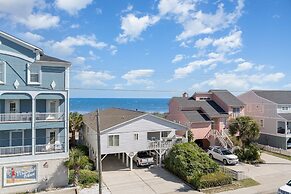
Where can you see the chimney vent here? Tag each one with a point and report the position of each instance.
(185, 95)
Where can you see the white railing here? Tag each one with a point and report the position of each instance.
(235, 115)
(59, 116)
(11, 117)
(49, 148)
(160, 144)
(15, 150)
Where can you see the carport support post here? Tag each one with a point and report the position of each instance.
(157, 158)
(131, 163)
(122, 157)
(126, 160)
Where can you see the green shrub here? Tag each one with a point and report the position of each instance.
(83, 148)
(71, 176)
(214, 180)
(88, 178)
(189, 162)
(250, 153)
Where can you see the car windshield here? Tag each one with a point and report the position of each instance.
(143, 155)
(289, 183)
(226, 152)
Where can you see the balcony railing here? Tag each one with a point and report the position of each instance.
(234, 115)
(165, 144)
(15, 117)
(59, 116)
(15, 150)
(49, 148)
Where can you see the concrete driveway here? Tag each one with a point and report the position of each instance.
(275, 173)
(120, 180)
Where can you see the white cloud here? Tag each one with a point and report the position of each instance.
(202, 43)
(72, 7)
(195, 23)
(239, 60)
(139, 76)
(229, 43)
(113, 49)
(79, 60)
(244, 66)
(32, 37)
(67, 46)
(239, 82)
(28, 13)
(190, 67)
(40, 21)
(133, 26)
(93, 78)
(259, 67)
(178, 58)
(75, 26)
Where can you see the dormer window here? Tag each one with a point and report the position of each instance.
(2, 72)
(33, 74)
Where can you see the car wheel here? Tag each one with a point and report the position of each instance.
(211, 156)
(224, 161)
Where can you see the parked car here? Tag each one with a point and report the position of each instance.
(143, 159)
(222, 154)
(285, 189)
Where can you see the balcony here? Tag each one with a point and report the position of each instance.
(15, 117)
(15, 151)
(165, 143)
(58, 116)
(50, 148)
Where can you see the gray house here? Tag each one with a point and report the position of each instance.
(33, 117)
(272, 110)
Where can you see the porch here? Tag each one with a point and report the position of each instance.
(20, 142)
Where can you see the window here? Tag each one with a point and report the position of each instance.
(281, 127)
(113, 140)
(165, 133)
(12, 107)
(2, 72)
(236, 110)
(33, 74)
(262, 123)
(136, 136)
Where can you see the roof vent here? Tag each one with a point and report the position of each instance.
(185, 95)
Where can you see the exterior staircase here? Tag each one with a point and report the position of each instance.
(222, 138)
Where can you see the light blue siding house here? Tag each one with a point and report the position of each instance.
(33, 117)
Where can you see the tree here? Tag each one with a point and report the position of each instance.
(245, 129)
(78, 161)
(190, 136)
(75, 124)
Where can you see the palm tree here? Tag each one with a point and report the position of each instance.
(76, 162)
(245, 129)
(76, 123)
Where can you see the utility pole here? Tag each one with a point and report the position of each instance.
(99, 152)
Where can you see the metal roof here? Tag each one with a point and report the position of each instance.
(47, 58)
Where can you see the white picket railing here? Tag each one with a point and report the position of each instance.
(165, 144)
(49, 116)
(15, 150)
(49, 148)
(12, 117)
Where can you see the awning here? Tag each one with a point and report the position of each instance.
(50, 96)
(15, 96)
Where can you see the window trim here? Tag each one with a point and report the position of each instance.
(28, 75)
(4, 73)
(113, 142)
(135, 137)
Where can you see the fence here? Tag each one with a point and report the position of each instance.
(275, 150)
(237, 175)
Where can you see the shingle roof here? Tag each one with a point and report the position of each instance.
(277, 96)
(227, 97)
(286, 116)
(210, 108)
(195, 116)
(44, 57)
(110, 117)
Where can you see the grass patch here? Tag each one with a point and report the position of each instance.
(277, 155)
(235, 185)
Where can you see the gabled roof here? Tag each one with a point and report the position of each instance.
(195, 116)
(277, 96)
(228, 98)
(19, 41)
(110, 117)
(46, 58)
(286, 116)
(209, 107)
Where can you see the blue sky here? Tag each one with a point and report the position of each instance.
(165, 46)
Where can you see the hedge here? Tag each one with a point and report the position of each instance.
(214, 180)
(86, 178)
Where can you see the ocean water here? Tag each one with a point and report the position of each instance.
(84, 105)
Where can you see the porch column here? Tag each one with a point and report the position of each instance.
(33, 132)
(118, 155)
(67, 118)
(157, 158)
(126, 160)
(122, 157)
